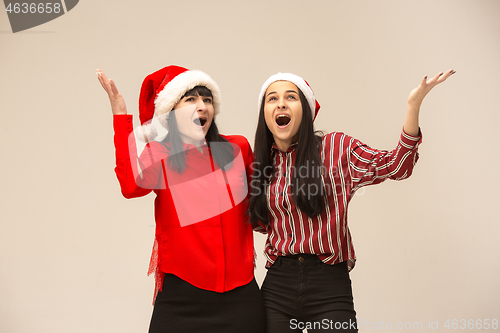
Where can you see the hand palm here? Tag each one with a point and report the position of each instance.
(418, 94)
(115, 98)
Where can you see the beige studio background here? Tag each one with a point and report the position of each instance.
(74, 253)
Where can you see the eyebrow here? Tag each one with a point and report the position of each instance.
(197, 95)
(288, 91)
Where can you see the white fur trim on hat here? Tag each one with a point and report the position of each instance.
(179, 85)
(154, 129)
(295, 79)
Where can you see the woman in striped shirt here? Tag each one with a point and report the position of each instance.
(302, 185)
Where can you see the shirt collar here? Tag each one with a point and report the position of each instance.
(291, 148)
(187, 147)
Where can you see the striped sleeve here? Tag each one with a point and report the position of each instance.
(369, 166)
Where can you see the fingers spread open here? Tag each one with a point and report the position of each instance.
(105, 83)
(99, 76)
(436, 78)
(446, 75)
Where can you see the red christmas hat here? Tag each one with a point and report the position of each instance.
(300, 83)
(162, 89)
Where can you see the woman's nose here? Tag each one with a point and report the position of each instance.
(281, 103)
(200, 105)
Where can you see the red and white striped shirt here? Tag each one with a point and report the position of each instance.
(348, 165)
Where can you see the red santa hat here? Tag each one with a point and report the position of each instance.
(164, 88)
(300, 83)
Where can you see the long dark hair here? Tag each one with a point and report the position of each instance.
(308, 156)
(222, 154)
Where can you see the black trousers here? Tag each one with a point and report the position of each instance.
(301, 291)
(183, 308)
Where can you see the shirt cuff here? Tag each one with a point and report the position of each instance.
(122, 121)
(123, 126)
(410, 141)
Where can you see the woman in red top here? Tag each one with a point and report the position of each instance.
(203, 256)
(301, 187)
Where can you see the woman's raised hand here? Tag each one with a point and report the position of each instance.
(418, 94)
(415, 99)
(115, 98)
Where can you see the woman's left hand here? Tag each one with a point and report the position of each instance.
(418, 94)
(415, 99)
(115, 98)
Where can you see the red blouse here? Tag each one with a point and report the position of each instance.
(202, 233)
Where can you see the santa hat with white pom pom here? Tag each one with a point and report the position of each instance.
(164, 88)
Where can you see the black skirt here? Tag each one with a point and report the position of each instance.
(181, 307)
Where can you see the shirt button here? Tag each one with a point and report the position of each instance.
(301, 259)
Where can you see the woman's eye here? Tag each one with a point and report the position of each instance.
(292, 97)
(208, 100)
(189, 99)
(272, 98)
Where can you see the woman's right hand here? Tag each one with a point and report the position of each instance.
(115, 98)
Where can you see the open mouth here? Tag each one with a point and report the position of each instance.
(200, 121)
(282, 120)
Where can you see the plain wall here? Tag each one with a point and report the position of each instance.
(74, 253)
